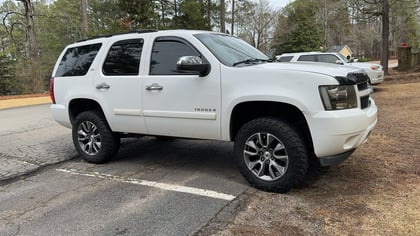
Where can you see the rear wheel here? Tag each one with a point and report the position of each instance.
(93, 138)
(271, 154)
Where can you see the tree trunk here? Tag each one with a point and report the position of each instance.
(35, 84)
(175, 8)
(222, 16)
(85, 26)
(209, 7)
(162, 4)
(233, 17)
(385, 36)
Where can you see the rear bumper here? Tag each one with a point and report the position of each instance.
(60, 115)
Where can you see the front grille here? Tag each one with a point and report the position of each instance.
(363, 86)
(364, 89)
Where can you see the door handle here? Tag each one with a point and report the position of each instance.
(154, 87)
(103, 86)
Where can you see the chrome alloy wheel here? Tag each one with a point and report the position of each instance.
(89, 138)
(266, 156)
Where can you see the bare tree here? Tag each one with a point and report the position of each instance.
(85, 26)
(232, 27)
(222, 16)
(35, 81)
(385, 35)
(30, 26)
(209, 7)
(380, 8)
(256, 25)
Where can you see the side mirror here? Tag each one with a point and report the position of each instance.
(193, 64)
(339, 62)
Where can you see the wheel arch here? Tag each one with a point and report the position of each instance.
(250, 110)
(79, 105)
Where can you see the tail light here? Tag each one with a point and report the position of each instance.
(52, 90)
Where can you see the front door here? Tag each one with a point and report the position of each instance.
(177, 103)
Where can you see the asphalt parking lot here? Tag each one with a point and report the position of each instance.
(153, 186)
(185, 187)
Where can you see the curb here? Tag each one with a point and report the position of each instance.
(19, 102)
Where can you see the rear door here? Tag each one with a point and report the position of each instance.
(118, 85)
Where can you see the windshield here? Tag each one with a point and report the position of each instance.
(343, 58)
(231, 50)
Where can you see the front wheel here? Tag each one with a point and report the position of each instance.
(93, 138)
(271, 154)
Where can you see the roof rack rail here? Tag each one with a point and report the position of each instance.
(137, 31)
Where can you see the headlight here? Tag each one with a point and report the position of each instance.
(338, 97)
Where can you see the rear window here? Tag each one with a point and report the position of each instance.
(285, 59)
(327, 58)
(307, 58)
(76, 61)
(123, 58)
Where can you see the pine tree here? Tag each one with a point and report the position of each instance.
(7, 85)
(298, 29)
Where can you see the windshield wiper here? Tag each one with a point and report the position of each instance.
(250, 60)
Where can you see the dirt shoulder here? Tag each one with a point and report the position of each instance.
(375, 192)
(23, 100)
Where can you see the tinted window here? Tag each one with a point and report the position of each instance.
(327, 58)
(76, 61)
(166, 53)
(285, 59)
(307, 58)
(123, 58)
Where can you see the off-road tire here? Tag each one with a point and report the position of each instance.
(109, 142)
(291, 141)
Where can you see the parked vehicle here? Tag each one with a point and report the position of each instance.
(207, 85)
(374, 71)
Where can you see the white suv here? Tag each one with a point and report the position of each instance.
(207, 85)
(374, 71)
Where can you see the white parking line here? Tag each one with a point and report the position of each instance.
(169, 187)
(26, 163)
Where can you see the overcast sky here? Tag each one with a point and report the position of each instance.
(279, 3)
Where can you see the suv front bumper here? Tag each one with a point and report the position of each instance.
(336, 134)
(376, 77)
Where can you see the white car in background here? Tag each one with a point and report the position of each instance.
(374, 71)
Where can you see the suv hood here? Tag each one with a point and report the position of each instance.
(364, 65)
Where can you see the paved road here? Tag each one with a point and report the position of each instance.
(152, 187)
(29, 139)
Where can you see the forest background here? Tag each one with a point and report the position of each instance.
(34, 32)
